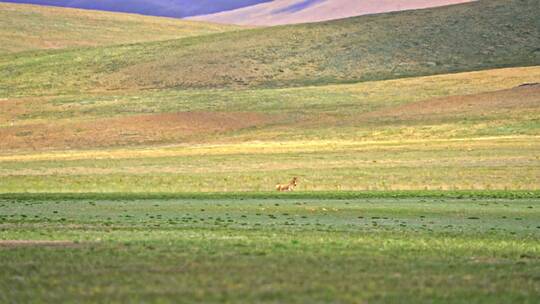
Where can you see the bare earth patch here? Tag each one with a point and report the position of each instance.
(128, 130)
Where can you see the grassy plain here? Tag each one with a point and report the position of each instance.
(26, 28)
(222, 248)
(500, 163)
(475, 130)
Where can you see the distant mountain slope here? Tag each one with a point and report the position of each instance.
(475, 36)
(164, 8)
(31, 27)
(301, 11)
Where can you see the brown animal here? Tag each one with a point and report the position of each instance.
(288, 187)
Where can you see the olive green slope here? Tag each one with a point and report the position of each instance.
(479, 35)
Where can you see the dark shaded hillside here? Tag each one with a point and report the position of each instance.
(480, 35)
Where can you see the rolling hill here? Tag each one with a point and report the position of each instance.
(32, 27)
(463, 105)
(475, 36)
(301, 11)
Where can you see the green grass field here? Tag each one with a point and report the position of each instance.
(414, 248)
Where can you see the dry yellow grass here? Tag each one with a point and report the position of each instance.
(464, 164)
(265, 147)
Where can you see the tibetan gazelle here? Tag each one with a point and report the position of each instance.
(288, 187)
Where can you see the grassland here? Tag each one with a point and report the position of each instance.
(476, 36)
(503, 163)
(145, 172)
(476, 130)
(379, 250)
(475, 104)
(32, 27)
